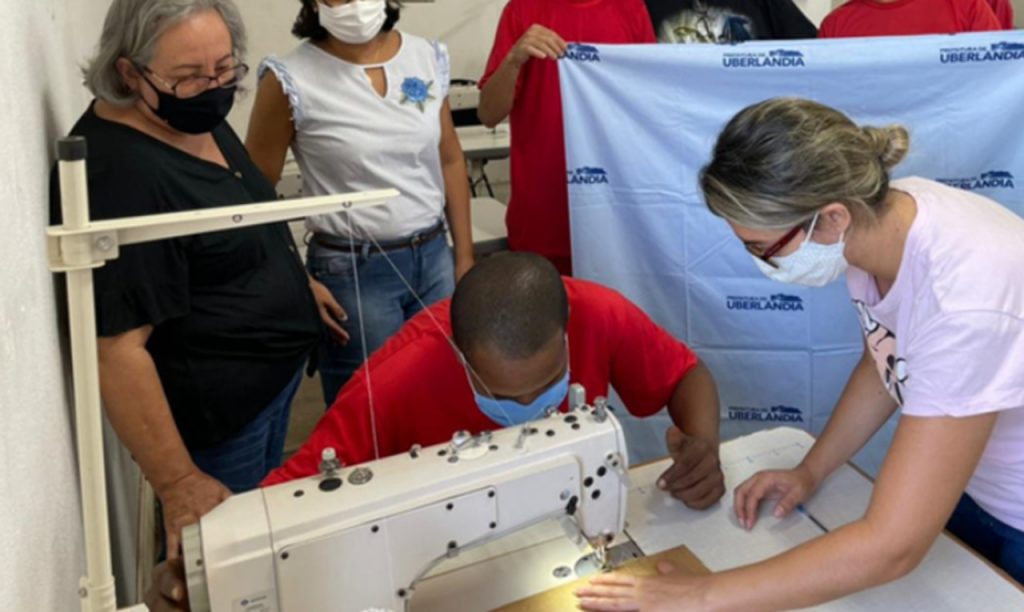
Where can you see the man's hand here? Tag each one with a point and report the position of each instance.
(538, 42)
(695, 477)
(168, 592)
(185, 501)
(331, 312)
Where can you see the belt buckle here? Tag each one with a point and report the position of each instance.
(416, 241)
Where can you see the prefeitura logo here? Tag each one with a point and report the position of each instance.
(995, 179)
(775, 414)
(776, 302)
(996, 52)
(779, 58)
(588, 175)
(582, 53)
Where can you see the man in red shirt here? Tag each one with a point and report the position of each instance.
(521, 81)
(525, 332)
(908, 17)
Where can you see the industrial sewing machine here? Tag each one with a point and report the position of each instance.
(360, 538)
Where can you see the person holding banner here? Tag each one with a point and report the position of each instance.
(728, 21)
(910, 17)
(934, 273)
(520, 82)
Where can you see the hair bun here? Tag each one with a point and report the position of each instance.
(890, 143)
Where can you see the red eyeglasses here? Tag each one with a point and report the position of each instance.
(778, 245)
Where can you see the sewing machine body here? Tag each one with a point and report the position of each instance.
(360, 538)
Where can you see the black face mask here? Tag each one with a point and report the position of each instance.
(197, 115)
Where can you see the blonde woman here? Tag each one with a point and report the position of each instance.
(935, 274)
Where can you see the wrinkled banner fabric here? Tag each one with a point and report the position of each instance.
(640, 123)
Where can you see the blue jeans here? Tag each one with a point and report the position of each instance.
(993, 539)
(386, 302)
(244, 460)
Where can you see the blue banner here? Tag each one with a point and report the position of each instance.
(640, 123)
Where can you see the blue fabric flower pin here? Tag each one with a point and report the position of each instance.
(416, 91)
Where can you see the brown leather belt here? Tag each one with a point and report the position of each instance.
(335, 243)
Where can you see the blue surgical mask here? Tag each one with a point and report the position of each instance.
(508, 412)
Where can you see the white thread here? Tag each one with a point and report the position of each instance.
(423, 307)
(362, 334)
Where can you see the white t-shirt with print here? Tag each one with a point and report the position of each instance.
(948, 338)
(349, 138)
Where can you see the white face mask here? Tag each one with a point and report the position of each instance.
(811, 265)
(354, 23)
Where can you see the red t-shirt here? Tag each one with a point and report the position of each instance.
(1004, 13)
(538, 211)
(421, 394)
(908, 17)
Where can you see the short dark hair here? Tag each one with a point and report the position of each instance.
(511, 302)
(307, 24)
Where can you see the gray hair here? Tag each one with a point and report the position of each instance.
(780, 161)
(132, 29)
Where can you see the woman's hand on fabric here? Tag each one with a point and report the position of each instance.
(185, 501)
(331, 312)
(790, 487)
(667, 592)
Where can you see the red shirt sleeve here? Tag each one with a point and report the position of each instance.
(647, 362)
(510, 29)
(980, 18)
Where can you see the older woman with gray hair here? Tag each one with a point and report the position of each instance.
(202, 339)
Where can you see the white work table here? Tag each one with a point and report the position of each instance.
(951, 578)
(481, 142)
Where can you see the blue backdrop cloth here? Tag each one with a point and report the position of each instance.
(641, 121)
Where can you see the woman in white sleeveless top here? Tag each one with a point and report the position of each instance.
(365, 107)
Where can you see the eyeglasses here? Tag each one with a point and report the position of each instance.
(192, 86)
(767, 254)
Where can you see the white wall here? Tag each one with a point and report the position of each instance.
(40, 525)
(817, 9)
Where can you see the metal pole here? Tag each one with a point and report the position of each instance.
(96, 588)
